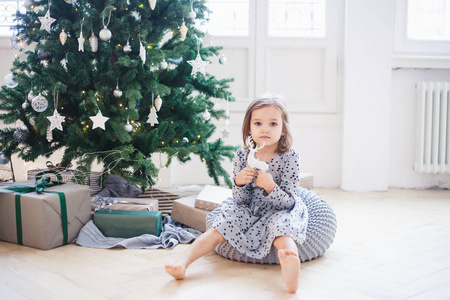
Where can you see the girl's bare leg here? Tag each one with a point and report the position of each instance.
(201, 246)
(289, 261)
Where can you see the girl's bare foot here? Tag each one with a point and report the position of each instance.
(176, 271)
(290, 269)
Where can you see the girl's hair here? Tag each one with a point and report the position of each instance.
(285, 142)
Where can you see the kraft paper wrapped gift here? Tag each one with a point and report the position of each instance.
(38, 219)
(184, 212)
(211, 196)
(128, 223)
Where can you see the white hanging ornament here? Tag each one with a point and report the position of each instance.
(10, 82)
(117, 92)
(46, 21)
(70, 1)
(49, 134)
(163, 65)
(93, 42)
(142, 53)
(152, 117)
(198, 65)
(99, 120)
(56, 120)
(105, 34)
(25, 104)
(63, 63)
(63, 37)
(183, 31)
(81, 41)
(30, 96)
(206, 115)
(225, 133)
(223, 59)
(39, 103)
(127, 47)
(136, 15)
(128, 127)
(158, 103)
(152, 4)
(192, 14)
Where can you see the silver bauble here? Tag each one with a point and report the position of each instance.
(20, 135)
(25, 104)
(163, 65)
(127, 48)
(29, 4)
(223, 59)
(4, 160)
(192, 14)
(128, 127)
(10, 82)
(185, 140)
(30, 96)
(105, 34)
(39, 103)
(117, 92)
(206, 115)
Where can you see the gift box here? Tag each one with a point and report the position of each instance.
(185, 212)
(125, 204)
(92, 180)
(128, 223)
(211, 196)
(306, 181)
(43, 219)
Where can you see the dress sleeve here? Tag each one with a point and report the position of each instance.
(241, 194)
(284, 195)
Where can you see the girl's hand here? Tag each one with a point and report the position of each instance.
(265, 181)
(245, 176)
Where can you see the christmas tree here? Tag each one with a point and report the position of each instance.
(114, 81)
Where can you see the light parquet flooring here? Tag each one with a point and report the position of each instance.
(389, 245)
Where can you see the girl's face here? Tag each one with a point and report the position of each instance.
(266, 126)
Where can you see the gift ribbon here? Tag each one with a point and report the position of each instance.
(41, 182)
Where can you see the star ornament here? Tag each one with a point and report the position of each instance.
(99, 120)
(46, 21)
(56, 121)
(198, 65)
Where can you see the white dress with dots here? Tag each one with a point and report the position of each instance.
(252, 219)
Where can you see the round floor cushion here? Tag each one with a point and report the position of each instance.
(319, 236)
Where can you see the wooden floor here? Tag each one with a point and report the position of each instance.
(389, 245)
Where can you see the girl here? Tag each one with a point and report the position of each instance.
(264, 210)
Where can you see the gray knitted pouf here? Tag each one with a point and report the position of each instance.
(319, 236)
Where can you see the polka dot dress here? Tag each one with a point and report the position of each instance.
(252, 219)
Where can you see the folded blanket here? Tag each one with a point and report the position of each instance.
(172, 235)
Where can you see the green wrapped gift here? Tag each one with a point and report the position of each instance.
(128, 223)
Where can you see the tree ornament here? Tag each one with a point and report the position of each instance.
(63, 37)
(56, 120)
(44, 54)
(198, 65)
(192, 14)
(158, 103)
(136, 15)
(13, 39)
(185, 140)
(63, 63)
(29, 4)
(117, 92)
(152, 117)
(99, 120)
(49, 135)
(206, 115)
(81, 40)
(4, 160)
(10, 81)
(25, 104)
(30, 96)
(152, 4)
(44, 63)
(39, 103)
(127, 47)
(142, 52)
(105, 34)
(183, 31)
(20, 135)
(223, 59)
(46, 21)
(128, 127)
(70, 1)
(163, 65)
(225, 133)
(93, 42)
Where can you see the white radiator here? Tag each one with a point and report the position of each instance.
(433, 128)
